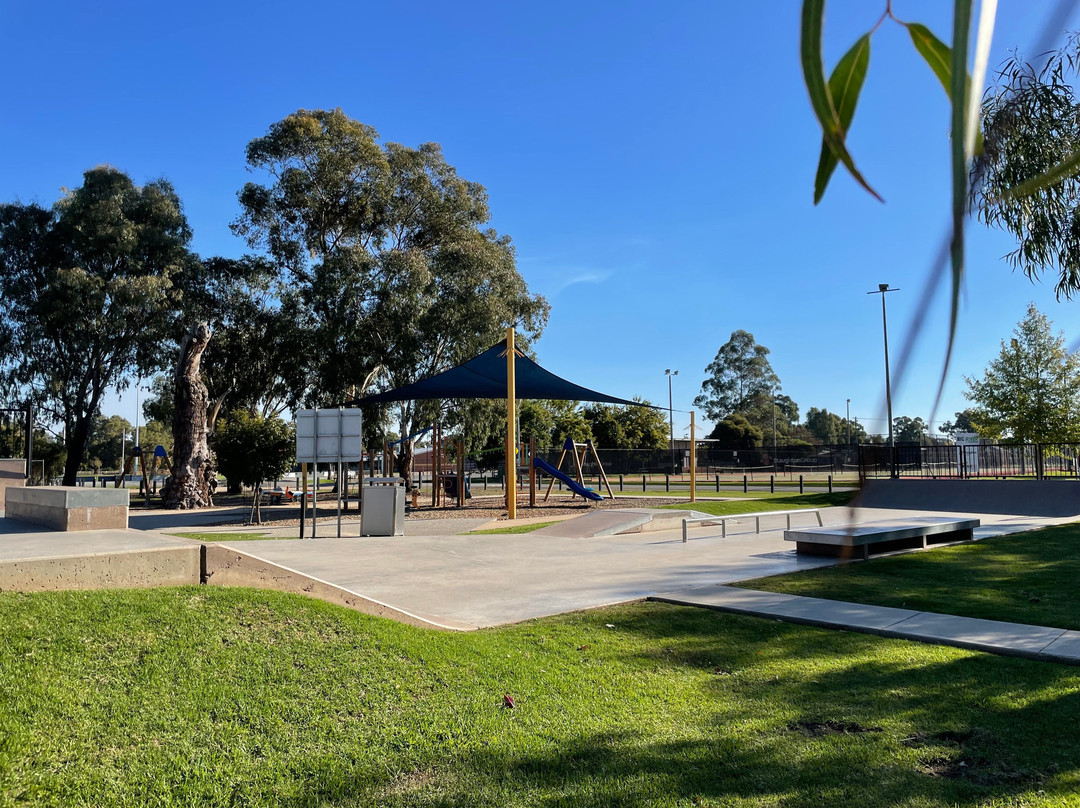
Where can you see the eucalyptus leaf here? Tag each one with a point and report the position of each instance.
(845, 83)
(813, 13)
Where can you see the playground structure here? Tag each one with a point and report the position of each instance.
(148, 462)
(494, 375)
(578, 451)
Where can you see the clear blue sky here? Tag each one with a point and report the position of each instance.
(653, 163)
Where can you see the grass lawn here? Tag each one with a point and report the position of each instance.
(1023, 578)
(512, 529)
(210, 696)
(225, 536)
(775, 502)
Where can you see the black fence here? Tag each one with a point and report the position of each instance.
(1035, 461)
(714, 462)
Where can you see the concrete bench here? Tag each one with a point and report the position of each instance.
(845, 541)
(735, 517)
(68, 507)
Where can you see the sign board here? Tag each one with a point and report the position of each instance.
(329, 436)
(967, 452)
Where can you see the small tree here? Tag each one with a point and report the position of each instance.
(251, 450)
(1028, 393)
(909, 430)
(735, 432)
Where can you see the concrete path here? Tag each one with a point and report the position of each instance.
(494, 579)
(993, 636)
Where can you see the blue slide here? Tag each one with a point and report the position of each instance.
(570, 482)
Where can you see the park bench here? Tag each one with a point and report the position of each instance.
(736, 517)
(845, 541)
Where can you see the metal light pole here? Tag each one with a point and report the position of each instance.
(671, 415)
(138, 390)
(881, 290)
(848, 422)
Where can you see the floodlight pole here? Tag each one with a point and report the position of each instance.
(671, 415)
(882, 289)
(511, 436)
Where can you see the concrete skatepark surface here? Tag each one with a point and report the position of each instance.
(494, 579)
(456, 581)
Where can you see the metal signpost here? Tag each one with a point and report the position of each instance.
(328, 436)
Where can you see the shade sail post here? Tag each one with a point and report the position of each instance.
(511, 436)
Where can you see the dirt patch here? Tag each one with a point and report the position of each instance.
(968, 764)
(816, 729)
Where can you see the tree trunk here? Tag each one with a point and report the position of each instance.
(405, 464)
(77, 440)
(189, 485)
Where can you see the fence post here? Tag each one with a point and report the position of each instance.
(643, 483)
(800, 484)
(718, 483)
(830, 483)
(744, 488)
(667, 483)
(620, 483)
(772, 483)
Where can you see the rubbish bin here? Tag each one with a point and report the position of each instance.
(382, 506)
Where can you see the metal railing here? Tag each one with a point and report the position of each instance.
(1033, 461)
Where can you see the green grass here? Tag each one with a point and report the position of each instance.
(226, 536)
(776, 502)
(1023, 578)
(512, 528)
(219, 697)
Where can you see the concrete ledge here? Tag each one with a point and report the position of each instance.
(881, 537)
(139, 569)
(68, 507)
(1021, 497)
(223, 565)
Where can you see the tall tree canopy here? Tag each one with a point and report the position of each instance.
(1031, 124)
(90, 290)
(739, 373)
(385, 257)
(1029, 392)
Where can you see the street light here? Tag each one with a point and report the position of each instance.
(881, 290)
(671, 415)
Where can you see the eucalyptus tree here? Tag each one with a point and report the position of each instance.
(91, 290)
(738, 375)
(385, 257)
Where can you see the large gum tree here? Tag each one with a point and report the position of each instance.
(386, 259)
(90, 295)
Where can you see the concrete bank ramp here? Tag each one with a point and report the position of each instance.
(616, 522)
(1021, 497)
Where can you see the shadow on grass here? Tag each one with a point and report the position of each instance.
(792, 716)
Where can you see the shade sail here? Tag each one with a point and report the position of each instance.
(484, 376)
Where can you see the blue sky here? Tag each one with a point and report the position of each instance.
(653, 164)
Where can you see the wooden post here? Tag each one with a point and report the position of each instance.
(693, 460)
(532, 472)
(511, 431)
(461, 474)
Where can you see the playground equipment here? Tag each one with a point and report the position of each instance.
(148, 462)
(579, 452)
